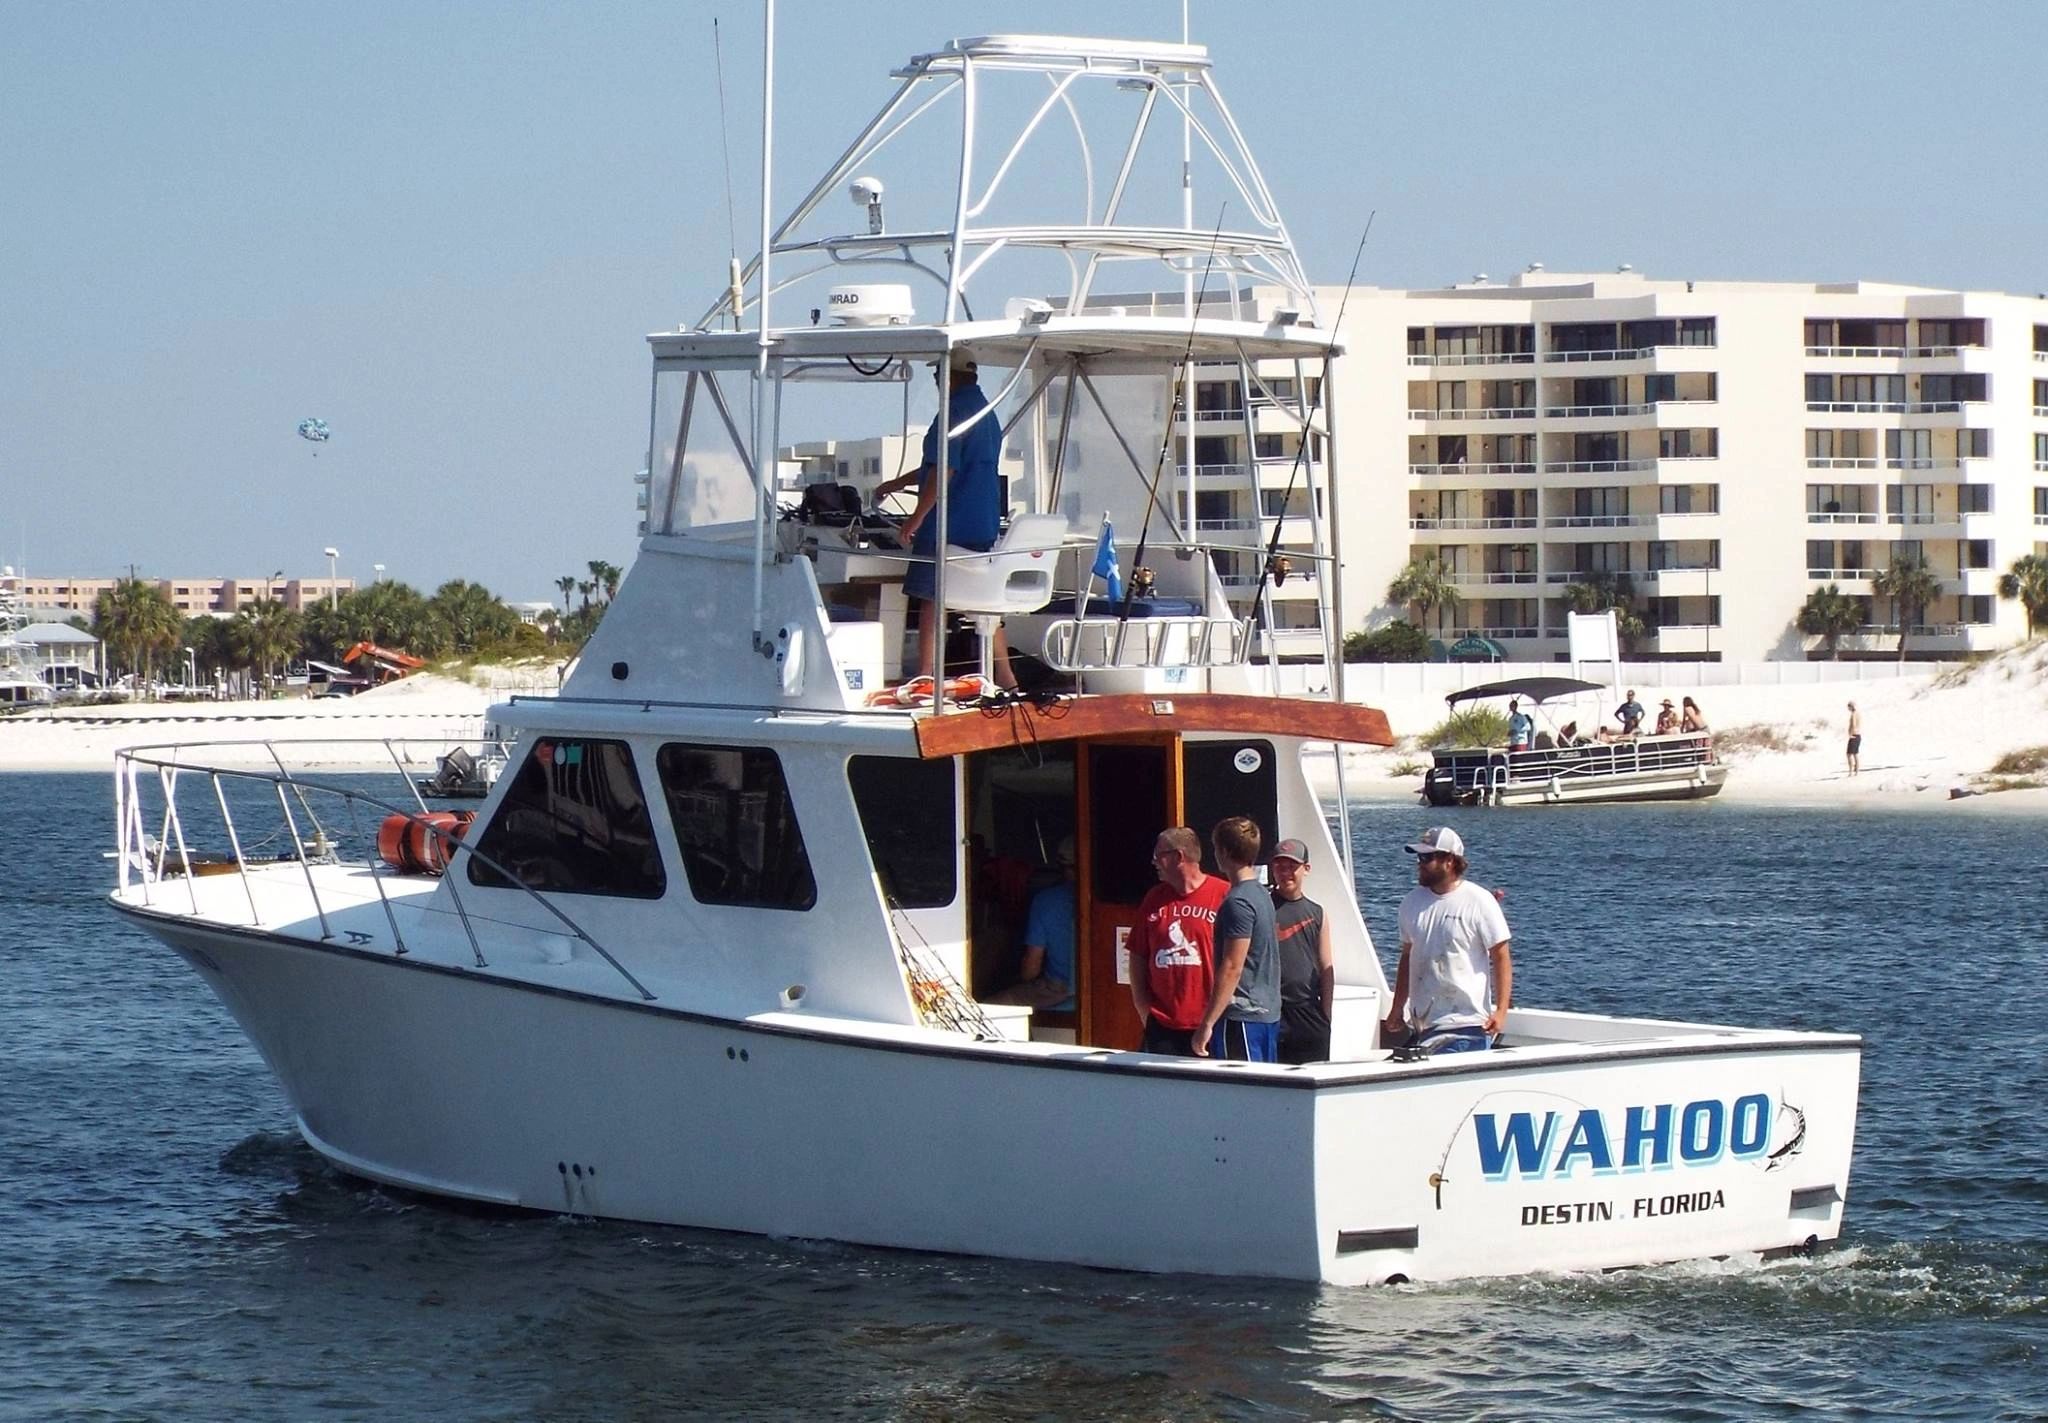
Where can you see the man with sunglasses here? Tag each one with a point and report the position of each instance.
(1173, 945)
(1456, 979)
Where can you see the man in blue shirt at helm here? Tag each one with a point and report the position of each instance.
(974, 502)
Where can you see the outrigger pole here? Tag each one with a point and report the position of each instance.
(764, 457)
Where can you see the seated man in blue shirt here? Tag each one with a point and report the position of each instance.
(974, 500)
(1045, 978)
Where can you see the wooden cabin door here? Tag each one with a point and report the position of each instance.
(1127, 792)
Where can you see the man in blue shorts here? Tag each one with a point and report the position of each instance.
(1243, 1021)
(974, 502)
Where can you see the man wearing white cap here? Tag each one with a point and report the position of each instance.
(1456, 980)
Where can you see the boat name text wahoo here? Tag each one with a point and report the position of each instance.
(1651, 1138)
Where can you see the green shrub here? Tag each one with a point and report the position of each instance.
(1396, 642)
(2021, 763)
(1474, 726)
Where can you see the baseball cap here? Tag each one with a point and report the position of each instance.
(1291, 850)
(1441, 840)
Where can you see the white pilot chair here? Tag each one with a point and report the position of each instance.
(1013, 577)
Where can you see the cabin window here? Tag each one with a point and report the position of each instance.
(908, 815)
(573, 822)
(736, 826)
(1220, 779)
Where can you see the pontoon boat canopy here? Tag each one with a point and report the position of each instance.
(1536, 689)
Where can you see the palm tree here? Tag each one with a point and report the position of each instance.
(266, 633)
(567, 585)
(2027, 581)
(606, 576)
(1830, 613)
(1912, 587)
(1425, 585)
(136, 621)
(473, 614)
(1600, 591)
(586, 586)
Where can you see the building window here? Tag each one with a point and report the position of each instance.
(2040, 395)
(1418, 340)
(1952, 331)
(2040, 502)
(1952, 389)
(1820, 335)
(1909, 449)
(1450, 449)
(1697, 331)
(1974, 554)
(2041, 452)
(1865, 335)
(907, 813)
(1973, 444)
(1974, 609)
(574, 822)
(1457, 340)
(1973, 498)
(1820, 390)
(736, 826)
(1688, 444)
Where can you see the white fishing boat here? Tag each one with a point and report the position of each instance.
(718, 948)
(21, 685)
(1563, 767)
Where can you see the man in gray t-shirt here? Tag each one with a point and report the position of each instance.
(1243, 1021)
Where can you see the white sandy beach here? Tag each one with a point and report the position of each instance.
(1923, 735)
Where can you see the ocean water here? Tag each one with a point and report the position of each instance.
(173, 1251)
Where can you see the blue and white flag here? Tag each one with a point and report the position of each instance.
(1105, 562)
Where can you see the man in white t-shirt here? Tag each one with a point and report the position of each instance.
(1455, 982)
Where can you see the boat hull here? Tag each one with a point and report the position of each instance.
(461, 1084)
(1695, 783)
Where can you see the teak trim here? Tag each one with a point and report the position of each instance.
(958, 733)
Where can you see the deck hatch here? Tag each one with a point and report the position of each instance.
(1399, 1237)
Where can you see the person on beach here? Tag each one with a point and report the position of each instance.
(1667, 718)
(1308, 969)
(1243, 1021)
(1173, 945)
(1629, 714)
(1855, 740)
(1456, 978)
(1690, 717)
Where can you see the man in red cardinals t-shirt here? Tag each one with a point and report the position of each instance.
(1173, 946)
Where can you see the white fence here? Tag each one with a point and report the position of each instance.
(1378, 681)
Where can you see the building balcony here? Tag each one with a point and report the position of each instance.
(1498, 634)
(1598, 466)
(1829, 462)
(1226, 526)
(1205, 417)
(1486, 412)
(1477, 358)
(1857, 407)
(1860, 576)
(1857, 353)
(1842, 516)
(1494, 578)
(1598, 521)
(1471, 470)
(1595, 412)
(1576, 358)
(1428, 525)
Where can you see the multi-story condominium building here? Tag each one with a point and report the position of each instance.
(190, 596)
(1720, 449)
(1713, 451)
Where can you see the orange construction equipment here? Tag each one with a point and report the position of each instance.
(388, 663)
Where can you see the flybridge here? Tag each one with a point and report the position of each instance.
(1029, 114)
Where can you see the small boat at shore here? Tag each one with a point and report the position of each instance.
(1567, 769)
(723, 947)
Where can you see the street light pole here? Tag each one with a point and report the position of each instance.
(376, 573)
(333, 592)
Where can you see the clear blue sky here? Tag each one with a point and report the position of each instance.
(446, 228)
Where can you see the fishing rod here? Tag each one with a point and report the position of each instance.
(1266, 571)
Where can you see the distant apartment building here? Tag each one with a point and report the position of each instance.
(1720, 449)
(1717, 450)
(192, 597)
